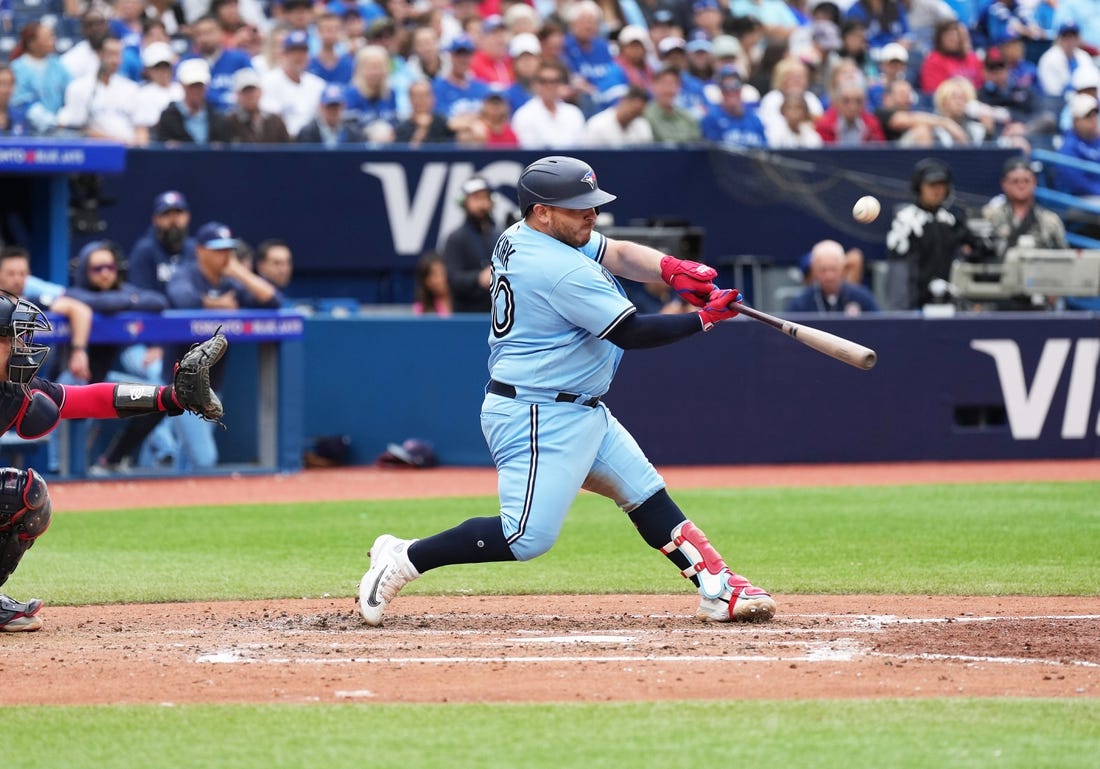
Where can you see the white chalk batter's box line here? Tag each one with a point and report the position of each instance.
(836, 650)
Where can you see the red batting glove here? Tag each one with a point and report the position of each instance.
(691, 280)
(720, 306)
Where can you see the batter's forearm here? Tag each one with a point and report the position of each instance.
(633, 261)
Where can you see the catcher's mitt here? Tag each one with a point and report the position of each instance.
(191, 382)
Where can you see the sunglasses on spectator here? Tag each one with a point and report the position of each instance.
(102, 268)
(995, 65)
(551, 80)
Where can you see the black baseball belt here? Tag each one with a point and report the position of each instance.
(509, 391)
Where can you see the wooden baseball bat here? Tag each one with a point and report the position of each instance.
(834, 346)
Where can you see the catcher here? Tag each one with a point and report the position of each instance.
(33, 406)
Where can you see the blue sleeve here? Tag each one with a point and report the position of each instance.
(1072, 180)
(804, 302)
(182, 292)
(247, 300)
(142, 270)
(710, 128)
(612, 86)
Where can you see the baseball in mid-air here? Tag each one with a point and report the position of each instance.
(866, 209)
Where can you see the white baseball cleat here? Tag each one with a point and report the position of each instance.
(739, 602)
(390, 570)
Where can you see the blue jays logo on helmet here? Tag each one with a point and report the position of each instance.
(590, 179)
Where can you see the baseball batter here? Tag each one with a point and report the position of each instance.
(559, 328)
(33, 406)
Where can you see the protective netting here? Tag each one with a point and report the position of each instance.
(814, 184)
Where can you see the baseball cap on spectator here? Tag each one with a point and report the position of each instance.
(700, 44)
(246, 77)
(729, 79)
(826, 35)
(193, 72)
(893, 52)
(296, 38)
(1069, 28)
(157, 53)
(1015, 164)
(524, 42)
(492, 23)
(169, 201)
(726, 47)
(1082, 105)
(381, 27)
(670, 44)
(633, 34)
(474, 184)
(333, 94)
(663, 18)
(705, 5)
(462, 44)
(994, 59)
(216, 236)
(1084, 78)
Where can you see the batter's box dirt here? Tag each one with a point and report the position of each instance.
(555, 648)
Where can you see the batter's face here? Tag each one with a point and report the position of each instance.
(571, 226)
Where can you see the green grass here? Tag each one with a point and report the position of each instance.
(1038, 538)
(900, 734)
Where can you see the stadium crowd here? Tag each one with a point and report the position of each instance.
(555, 73)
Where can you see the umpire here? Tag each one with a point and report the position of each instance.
(469, 249)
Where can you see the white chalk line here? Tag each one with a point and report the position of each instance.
(836, 650)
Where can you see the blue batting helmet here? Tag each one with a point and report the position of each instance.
(560, 181)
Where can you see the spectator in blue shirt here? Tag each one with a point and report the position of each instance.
(40, 77)
(331, 63)
(457, 93)
(729, 121)
(829, 292)
(1082, 142)
(223, 62)
(370, 96)
(886, 20)
(586, 53)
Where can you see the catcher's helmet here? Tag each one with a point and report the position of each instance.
(560, 181)
(930, 171)
(19, 319)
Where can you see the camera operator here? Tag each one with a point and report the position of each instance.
(1014, 217)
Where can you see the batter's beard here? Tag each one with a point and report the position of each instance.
(571, 238)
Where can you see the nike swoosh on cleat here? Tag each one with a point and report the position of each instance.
(372, 598)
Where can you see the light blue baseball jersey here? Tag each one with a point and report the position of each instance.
(553, 306)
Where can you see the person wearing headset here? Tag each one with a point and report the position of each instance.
(925, 237)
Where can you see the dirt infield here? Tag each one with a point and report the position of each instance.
(556, 648)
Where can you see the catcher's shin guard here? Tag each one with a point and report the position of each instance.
(705, 565)
(25, 512)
